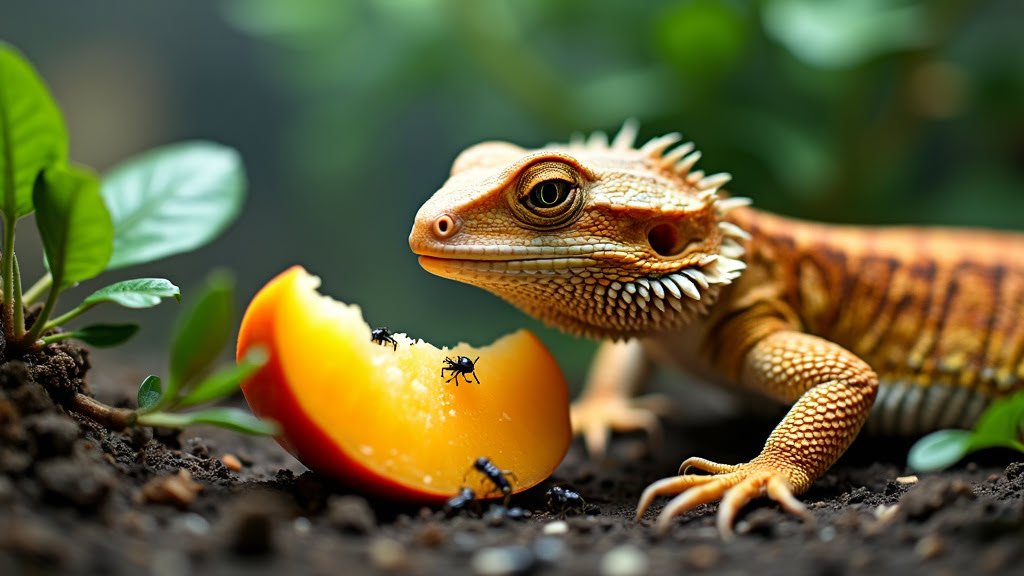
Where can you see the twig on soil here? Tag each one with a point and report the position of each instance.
(108, 416)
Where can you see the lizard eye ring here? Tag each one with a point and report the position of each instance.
(548, 195)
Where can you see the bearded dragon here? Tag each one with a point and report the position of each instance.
(912, 329)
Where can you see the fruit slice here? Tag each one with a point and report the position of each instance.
(385, 420)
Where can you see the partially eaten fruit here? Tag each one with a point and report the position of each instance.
(383, 419)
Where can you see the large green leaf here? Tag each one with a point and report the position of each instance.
(201, 333)
(105, 335)
(73, 223)
(32, 133)
(137, 293)
(172, 200)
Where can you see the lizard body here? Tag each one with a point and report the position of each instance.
(918, 327)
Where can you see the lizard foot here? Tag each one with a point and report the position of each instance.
(735, 485)
(594, 418)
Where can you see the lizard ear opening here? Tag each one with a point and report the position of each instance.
(665, 240)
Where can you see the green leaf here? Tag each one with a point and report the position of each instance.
(224, 382)
(1000, 423)
(201, 333)
(230, 418)
(137, 293)
(939, 450)
(172, 200)
(150, 392)
(73, 223)
(105, 335)
(32, 132)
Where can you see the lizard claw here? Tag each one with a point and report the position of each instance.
(595, 418)
(735, 486)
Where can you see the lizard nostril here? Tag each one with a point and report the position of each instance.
(445, 226)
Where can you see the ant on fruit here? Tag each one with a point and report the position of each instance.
(496, 475)
(461, 366)
(383, 336)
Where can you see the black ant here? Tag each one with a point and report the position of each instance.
(383, 336)
(496, 475)
(456, 503)
(564, 500)
(461, 366)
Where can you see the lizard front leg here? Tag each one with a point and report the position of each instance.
(607, 402)
(832, 390)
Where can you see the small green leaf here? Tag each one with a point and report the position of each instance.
(150, 392)
(73, 223)
(105, 335)
(172, 200)
(32, 132)
(230, 418)
(201, 333)
(1000, 423)
(224, 382)
(137, 293)
(939, 450)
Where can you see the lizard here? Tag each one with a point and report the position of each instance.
(908, 328)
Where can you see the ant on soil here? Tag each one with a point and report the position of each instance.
(462, 365)
(565, 500)
(383, 336)
(460, 501)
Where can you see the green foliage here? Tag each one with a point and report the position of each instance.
(172, 200)
(1001, 425)
(200, 337)
(32, 133)
(73, 223)
(164, 202)
(104, 335)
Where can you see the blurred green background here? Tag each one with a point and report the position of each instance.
(349, 113)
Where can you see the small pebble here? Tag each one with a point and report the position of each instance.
(231, 462)
(351, 514)
(193, 523)
(548, 549)
(556, 527)
(302, 525)
(912, 479)
(388, 554)
(703, 557)
(431, 535)
(993, 478)
(503, 561)
(929, 547)
(624, 560)
(827, 534)
(176, 489)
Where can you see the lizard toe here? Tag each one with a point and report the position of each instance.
(596, 418)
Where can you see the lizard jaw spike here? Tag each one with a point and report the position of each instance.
(727, 204)
(693, 177)
(672, 158)
(626, 138)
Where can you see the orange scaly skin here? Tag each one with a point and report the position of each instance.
(917, 328)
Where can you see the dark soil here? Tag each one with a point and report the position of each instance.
(76, 498)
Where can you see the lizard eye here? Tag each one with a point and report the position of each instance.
(550, 193)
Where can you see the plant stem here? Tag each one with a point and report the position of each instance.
(19, 311)
(108, 416)
(7, 270)
(163, 420)
(69, 315)
(37, 289)
(47, 340)
(40, 323)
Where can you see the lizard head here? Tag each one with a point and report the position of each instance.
(597, 238)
